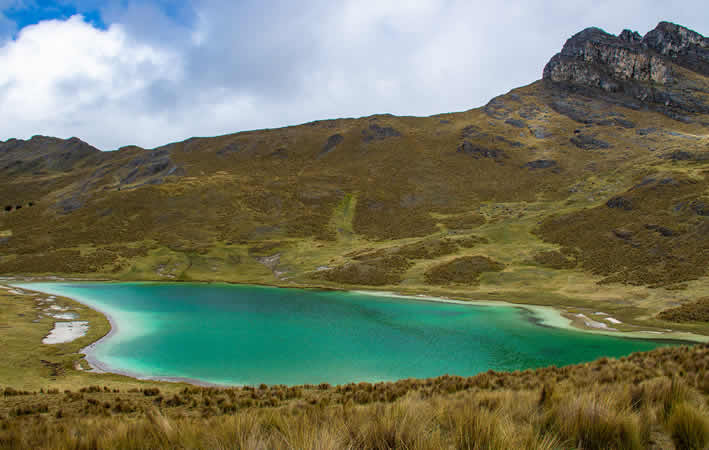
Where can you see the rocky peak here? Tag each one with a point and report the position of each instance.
(44, 153)
(672, 39)
(595, 58)
(641, 67)
(685, 47)
(629, 36)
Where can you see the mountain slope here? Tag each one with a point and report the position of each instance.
(587, 189)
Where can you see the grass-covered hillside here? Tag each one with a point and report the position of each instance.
(570, 191)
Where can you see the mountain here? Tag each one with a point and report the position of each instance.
(588, 189)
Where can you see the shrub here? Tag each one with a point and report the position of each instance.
(176, 400)
(466, 269)
(672, 393)
(150, 392)
(697, 311)
(90, 389)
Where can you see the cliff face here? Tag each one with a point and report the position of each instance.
(644, 68)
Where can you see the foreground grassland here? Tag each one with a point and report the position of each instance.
(658, 399)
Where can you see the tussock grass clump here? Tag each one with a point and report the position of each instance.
(689, 427)
(596, 422)
(150, 392)
(479, 429)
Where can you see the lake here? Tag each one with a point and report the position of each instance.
(234, 334)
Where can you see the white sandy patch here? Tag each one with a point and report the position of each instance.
(593, 324)
(600, 314)
(612, 320)
(57, 308)
(16, 292)
(65, 316)
(66, 332)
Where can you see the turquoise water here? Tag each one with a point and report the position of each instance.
(228, 334)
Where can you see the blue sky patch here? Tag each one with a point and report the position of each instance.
(31, 13)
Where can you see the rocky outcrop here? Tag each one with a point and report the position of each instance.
(44, 153)
(598, 59)
(639, 67)
(685, 47)
(376, 132)
(332, 142)
(477, 151)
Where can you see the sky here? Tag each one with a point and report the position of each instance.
(150, 72)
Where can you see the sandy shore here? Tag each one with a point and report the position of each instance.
(66, 332)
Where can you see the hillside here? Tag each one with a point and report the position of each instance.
(587, 189)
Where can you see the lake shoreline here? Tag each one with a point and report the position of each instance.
(545, 316)
(550, 316)
(96, 366)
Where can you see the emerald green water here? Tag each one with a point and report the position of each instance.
(249, 335)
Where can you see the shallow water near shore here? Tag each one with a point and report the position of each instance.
(232, 334)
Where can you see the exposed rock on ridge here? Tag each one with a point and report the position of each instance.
(44, 153)
(639, 67)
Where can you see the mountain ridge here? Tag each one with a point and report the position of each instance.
(586, 188)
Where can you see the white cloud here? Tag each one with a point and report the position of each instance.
(226, 66)
(60, 76)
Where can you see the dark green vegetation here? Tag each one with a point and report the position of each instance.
(697, 311)
(462, 270)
